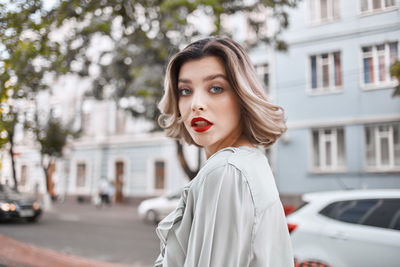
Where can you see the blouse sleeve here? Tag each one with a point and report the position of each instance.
(223, 221)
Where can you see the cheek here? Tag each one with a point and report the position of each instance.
(183, 110)
(231, 109)
(236, 115)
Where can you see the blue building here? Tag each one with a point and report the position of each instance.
(336, 89)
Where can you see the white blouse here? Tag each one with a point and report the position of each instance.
(229, 215)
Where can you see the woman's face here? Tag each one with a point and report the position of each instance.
(208, 105)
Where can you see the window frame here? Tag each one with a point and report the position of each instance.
(332, 88)
(377, 137)
(335, 166)
(371, 11)
(120, 121)
(23, 175)
(86, 118)
(314, 20)
(84, 185)
(376, 84)
(163, 170)
(151, 176)
(86, 189)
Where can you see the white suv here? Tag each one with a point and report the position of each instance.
(347, 229)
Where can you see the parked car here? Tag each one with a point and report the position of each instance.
(155, 209)
(347, 229)
(14, 205)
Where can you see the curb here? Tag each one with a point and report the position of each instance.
(17, 254)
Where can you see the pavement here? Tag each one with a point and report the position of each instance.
(14, 253)
(17, 254)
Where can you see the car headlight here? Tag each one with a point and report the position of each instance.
(13, 207)
(35, 205)
(5, 206)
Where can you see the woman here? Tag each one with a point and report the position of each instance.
(230, 214)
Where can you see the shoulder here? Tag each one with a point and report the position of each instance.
(239, 158)
(249, 167)
(216, 168)
(217, 171)
(248, 161)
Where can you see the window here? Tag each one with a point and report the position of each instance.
(85, 123)
(382, 146)
(370, 6)
(355, 210)
(24, 175)
(376, 62)
(322, 11)
(81, 175)
(328, 149)
(120, 121)
(395, 223)
(159, 174)
(263, 75)
(383, 213)
(326, 73)
(350, 211)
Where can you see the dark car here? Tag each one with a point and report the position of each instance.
(14, 205)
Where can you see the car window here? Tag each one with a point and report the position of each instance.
(355, 210)
(351, 211)
(384, 215)
(331, 209)
(395, 223)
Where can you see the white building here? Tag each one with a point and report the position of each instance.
(113, 146)
(336, 88)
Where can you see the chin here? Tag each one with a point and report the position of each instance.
(200, 141)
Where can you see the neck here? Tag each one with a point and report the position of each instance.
(235, 141)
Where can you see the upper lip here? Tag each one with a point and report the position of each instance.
(194, 120)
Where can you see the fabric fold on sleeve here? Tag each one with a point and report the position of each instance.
(272, 244)
(223, 221)
(165, 229)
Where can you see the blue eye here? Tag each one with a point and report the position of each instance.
(216, 89)
(184, 92)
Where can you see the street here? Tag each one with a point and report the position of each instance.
(112, 234)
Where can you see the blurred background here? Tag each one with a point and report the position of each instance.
(80, 81)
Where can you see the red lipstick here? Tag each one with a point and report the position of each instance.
(200, 124)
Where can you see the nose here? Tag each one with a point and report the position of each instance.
(198, 101)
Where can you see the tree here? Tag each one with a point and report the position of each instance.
(9, 118)
(395, 72)
(52, 137)
(8, 121)
(139, 38)
(3, 131)
(133, 40)
(27, 60)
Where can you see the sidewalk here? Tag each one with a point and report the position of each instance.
(17, 254)
(123, 211)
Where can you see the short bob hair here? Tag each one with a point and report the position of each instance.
(262, 122)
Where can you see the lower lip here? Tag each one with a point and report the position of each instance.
(202, 128)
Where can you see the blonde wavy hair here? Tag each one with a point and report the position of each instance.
(262, 122)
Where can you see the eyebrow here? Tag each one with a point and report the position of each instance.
(208, 78)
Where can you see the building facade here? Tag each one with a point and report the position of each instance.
(336, 89)
(113, 146)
